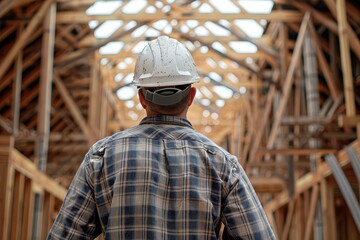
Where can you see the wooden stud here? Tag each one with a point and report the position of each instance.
(17, 92)
(28, 209)
(6, 184)
(284, 52)
(345, 58)
(330, 213)
(299, 220)
(311, 216)
(44, 102)
(94, 106)
(49, 204)
(289, 219)
(17, 202)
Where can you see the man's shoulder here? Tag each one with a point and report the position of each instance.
(111, 138)
(210, 144)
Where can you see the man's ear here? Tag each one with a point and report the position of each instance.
(192, 95)
(142, 98)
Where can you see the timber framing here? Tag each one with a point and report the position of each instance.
(294, 101)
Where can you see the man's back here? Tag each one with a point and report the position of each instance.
(163, 180)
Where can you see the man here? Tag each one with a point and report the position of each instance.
(161, 179)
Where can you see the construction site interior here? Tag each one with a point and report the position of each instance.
(279, 88)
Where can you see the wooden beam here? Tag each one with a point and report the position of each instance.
(6, 5)
(81, 17)
(353, 38)
(17, 201)
(345, 58)
(28, 209)
(267, 185)
(312, 210)
(289, 218)
(44, 101)
(6, 183)
(330, 24)
(251, 68)
(288, 81)
(304, 120)
(95, 90)
(17, 91)
(49, 205)
(28, 168)
(348, 122)
(310, 179)
(74, 110)
(328, 209)
(294, 151)
(74, 56)
(268, 50)
(44, 107)
(22, 40)
(25, 64)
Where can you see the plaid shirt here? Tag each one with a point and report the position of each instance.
(160, 180)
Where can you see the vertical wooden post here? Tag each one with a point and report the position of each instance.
(289, 219)
(49, 204)
(47, 59)
(43, 121)
(345, 58)
(28, 210)
(17, 203)
(328, 206)
(93, 118)
(104, 106)
(6, 184)
(255, 80)
(299, 218)
(312, 211)
(17, 92)
(284, 52)
(238, 138)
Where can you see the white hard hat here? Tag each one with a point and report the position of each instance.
(164, 62)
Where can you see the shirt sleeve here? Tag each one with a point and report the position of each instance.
(243, 215)
(78, 217)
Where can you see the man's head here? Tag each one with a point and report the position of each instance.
(164, 73)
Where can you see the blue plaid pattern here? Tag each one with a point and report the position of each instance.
(160, 180)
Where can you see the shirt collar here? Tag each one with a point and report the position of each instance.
(168, 120)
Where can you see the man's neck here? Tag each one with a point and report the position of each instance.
(152, 113)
